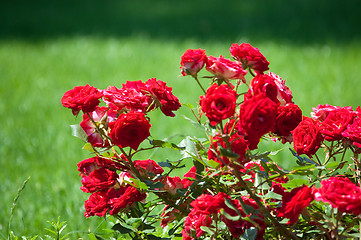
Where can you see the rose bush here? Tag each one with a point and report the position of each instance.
(232, 190)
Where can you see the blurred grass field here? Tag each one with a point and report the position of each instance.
(48, 47)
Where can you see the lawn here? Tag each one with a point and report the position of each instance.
(48, 48)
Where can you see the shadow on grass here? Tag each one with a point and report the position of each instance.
(298, 21)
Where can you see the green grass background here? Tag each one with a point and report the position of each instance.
(48, 47)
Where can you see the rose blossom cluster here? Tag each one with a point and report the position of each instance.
(232, 190)
(266, 109)
(121, 122)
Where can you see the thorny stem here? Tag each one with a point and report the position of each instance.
(263, 209)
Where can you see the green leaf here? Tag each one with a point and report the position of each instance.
(88, 147)
(207, 230)
(227, 153)
(188, 105)
(250, 234)
(165, 164)
(189, 147)
(134, 222)
(169, 164)
(152, 237)
(303, 168)
(332, 164)
(164, 144)
(78, 131)
(92, 236)
(152, 185)
(138, 184)
(122, 229)
(276, 152)
(196, 124)
(213, 164)
(293, 183)
(229, 217)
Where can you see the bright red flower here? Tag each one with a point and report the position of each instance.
(219, 103)
(272, 86)
(172, 184)
(192, 61)
(225, 69)
(129, 98)
(129, 130)
(148, 167)
(307, 137)
(249, 56)
(98, 180)
(97, 204)
(85, 98)
(86, 166)
(193, 223)
(321, 112)
(294, 202)
(288, 118)
(353, 132)
(341, 193)
(336, 122)
(162, 96)
(101, 116)
(208, 204)
(257, 117)
(123, 197)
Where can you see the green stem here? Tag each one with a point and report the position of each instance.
(196, 78)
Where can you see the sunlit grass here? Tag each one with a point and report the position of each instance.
(36, 139)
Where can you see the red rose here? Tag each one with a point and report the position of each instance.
(294, 202)
(321, 112)
(86, 166)
(101, 116)
(307, 137)
(162, 96)
(99, 179)
(148, 167)
(257, 117)
(97, 204)
(172, 184)
(192, 61)
(341, 193)
(129, 130)
(123, 197)
(336, 122)
(208, 204)
(193, 223)
(288, 118)
(249, 56)
(129, 98)
(272, 86)
(225, 69)
(219, 103)
(353, 132)
(85, 98)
